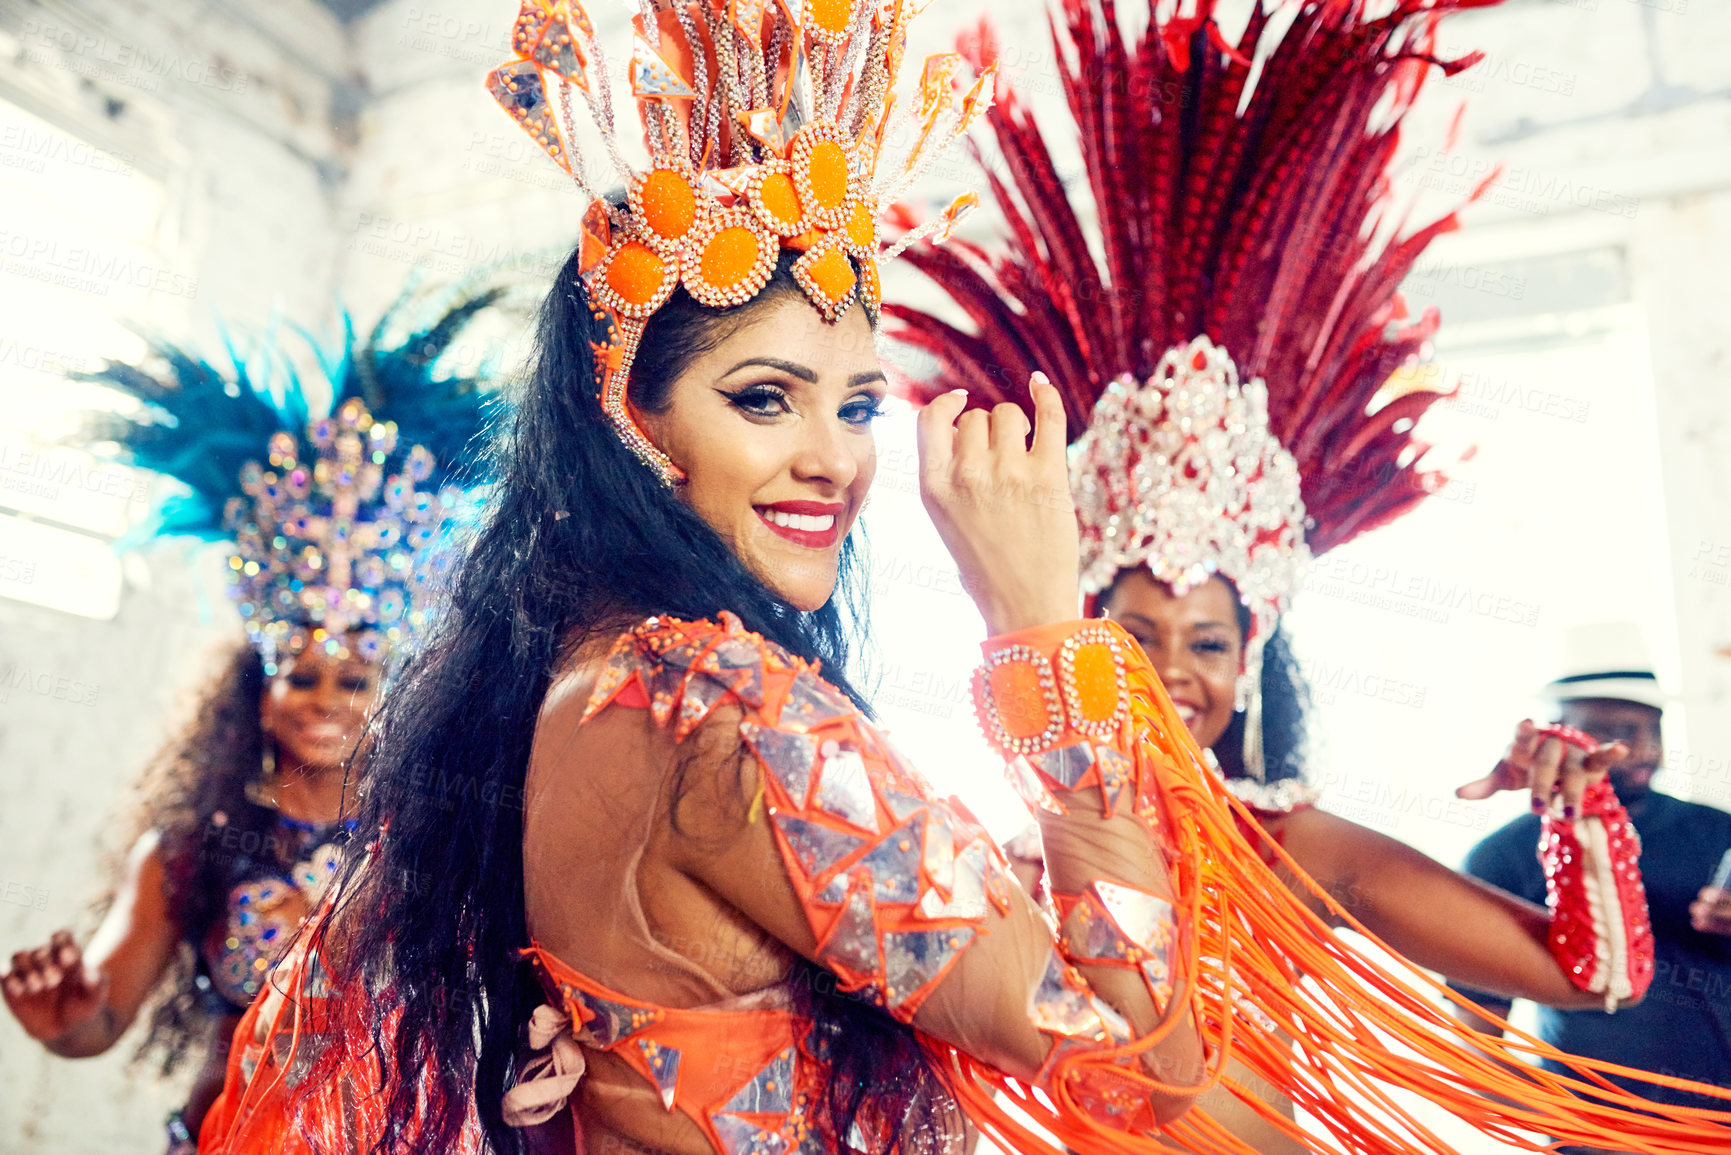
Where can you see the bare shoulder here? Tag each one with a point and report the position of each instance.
(648, 717)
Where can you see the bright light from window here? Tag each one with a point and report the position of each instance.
(77, 227)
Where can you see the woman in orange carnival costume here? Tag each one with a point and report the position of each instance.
(1241, 216)
(683, 895)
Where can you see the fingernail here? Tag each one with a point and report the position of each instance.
(958, 392)
(1568, 810)
(1538, 803)
(1039, 378)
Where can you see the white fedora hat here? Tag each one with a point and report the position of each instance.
(1606, 660)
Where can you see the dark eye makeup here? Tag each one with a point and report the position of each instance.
(758, 400)
(770, 401)
(863, 410)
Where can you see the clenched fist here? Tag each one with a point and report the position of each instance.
(51, 991)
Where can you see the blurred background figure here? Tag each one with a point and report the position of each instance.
(1606, 686)
(332, 523)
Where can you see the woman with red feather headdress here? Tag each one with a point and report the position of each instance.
(1226, 363)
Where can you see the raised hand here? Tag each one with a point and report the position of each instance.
(1003, 508)
(1549, 767)
(51, 992)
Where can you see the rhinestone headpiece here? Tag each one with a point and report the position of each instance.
(332, 539)
(766, 125)
(1180, 473)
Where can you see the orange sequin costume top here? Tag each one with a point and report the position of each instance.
(897, 884)
(301, 1079)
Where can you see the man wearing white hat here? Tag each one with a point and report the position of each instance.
(1683, 1027)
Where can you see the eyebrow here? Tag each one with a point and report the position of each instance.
(804, 373)
(788, 367)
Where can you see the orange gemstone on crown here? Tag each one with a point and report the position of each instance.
(829, 175)
(827, 277)
(729, 257)
(780, 202)
(636, 273)
(862, 233)
(828, 18)
(823, 174)
(669, 203)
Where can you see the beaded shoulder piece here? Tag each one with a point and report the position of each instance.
(893, 879)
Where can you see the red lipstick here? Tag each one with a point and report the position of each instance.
(813, 524)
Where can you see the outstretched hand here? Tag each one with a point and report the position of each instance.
(1003, 507)
(50, 990)
(1547, 766)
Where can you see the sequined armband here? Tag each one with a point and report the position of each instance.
(1055, 702)
(1601, 933)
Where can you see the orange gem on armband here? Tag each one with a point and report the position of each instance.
(1016, 697)
(1095, 685)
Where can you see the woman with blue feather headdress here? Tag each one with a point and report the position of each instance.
(335, 511)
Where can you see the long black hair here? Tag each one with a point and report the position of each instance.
(1285, 700)
(578, 539)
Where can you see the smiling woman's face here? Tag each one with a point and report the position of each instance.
(1193, 642)
(773, 430)
(316, 706)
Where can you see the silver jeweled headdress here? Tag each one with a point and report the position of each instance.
(332, 537)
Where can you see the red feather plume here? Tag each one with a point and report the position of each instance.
(1251, 218)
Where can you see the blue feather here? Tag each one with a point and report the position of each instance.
(202, 424)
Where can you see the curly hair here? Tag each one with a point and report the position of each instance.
(193, 792)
